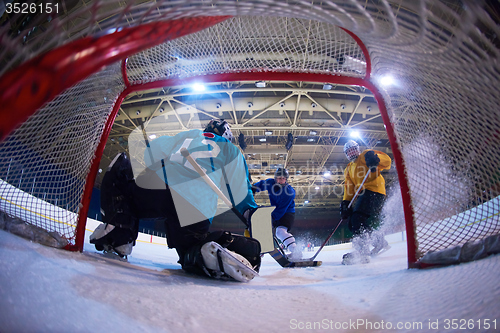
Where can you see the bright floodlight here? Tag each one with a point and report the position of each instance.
(386, 80)
(354, 134)
(152, 136)
(198, 87)
(327, 174)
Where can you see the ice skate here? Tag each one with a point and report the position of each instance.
(354, 258)
(380, 248)
(103, 238)
(124, 250)
(295, 252)
(360, 255)
(224, 262)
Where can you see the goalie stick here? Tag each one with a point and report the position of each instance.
(276, 254)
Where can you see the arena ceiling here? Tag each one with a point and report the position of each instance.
(320, 118)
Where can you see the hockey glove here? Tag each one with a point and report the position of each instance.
(345, 210)
(372, 160)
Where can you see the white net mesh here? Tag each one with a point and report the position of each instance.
(252, 44)
(444, 112)
(48, 158)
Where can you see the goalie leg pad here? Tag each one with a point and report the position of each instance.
(220, 262)
(236, 249)
(117, 188)
(247, 247)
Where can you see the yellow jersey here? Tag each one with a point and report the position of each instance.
(356, 171)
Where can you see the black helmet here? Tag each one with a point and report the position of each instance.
(281, 172)
(219, 127)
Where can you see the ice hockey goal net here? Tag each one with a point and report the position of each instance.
(64, 76)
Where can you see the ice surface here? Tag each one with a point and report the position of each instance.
(49, 290)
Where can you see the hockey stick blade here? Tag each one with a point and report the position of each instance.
(286, 263)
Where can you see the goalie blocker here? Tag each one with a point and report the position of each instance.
(218, 254)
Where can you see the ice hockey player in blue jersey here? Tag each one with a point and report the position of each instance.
(169, 188)
(281, 195)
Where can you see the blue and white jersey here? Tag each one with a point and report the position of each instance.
(216, 156)
(283, 197)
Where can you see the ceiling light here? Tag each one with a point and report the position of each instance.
(310, 140)
(327, 174)
(313, 132)
(260, 84)
(314, 105)
(262, 139)
(198, 87)
(355, 134)
(152, 136)
(268, 132)
(327, 86)
(386, 80)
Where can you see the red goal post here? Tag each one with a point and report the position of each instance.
(66, 99)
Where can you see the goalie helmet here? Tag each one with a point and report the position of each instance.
(351, 150)
(219, 127)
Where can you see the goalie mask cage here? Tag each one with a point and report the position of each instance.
(65, 75)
